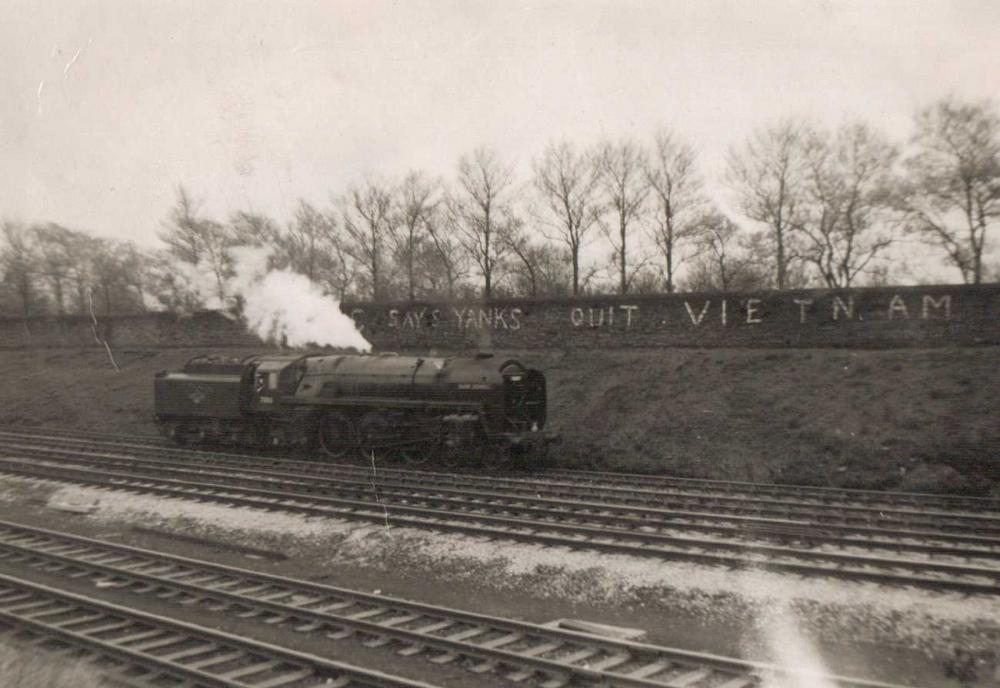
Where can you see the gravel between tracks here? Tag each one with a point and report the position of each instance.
(918, 619)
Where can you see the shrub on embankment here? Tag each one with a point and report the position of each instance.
(891, 419)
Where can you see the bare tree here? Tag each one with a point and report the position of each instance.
(536, 268)
(416, 211)
(338, 277)
(953, 195)
(647, 281)
(183, 232)
(215, 255)
(308, 243)
(200, 241)
(164, 285)
(19, 263)
(368, 220)
(726, 260)
(72, 265)
(249, 228)
(480, 214)
(625, 191)
(568, 183)
(57, 256)
(135, 265)
(444, 262)
(106, 273)
(676, 190)
(312, 245)
(848, 201)
(82, 271)
(766, 173)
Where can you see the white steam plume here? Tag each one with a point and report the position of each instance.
(285, 305)
(279, 305)
(200, 280)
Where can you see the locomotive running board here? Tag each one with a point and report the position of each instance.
(369, 402)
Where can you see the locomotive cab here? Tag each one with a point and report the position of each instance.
(270, 379)
(524, 397)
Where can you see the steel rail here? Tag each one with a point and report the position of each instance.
(976, 526)
(855, 567)
(833, 496)
(564, 477)
(360, 487)
(161, 646)
(549, 656)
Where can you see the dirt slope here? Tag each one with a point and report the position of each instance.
(905, 419)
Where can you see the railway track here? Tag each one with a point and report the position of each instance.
(541, 655)
(757, 497)
(357, 484)
(143, 649)
(900, 530)
(827, 495)
(806, 494)
(711, 505)
(584, 525)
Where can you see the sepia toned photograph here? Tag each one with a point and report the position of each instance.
(526, 344)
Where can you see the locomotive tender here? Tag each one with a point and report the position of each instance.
(381, 405)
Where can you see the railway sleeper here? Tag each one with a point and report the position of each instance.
(412, 649)
(374, 641)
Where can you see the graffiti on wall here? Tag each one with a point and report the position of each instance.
(671, 312)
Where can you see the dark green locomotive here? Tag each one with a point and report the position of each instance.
(371, 405)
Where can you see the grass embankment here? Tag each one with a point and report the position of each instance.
(29, 667)
(903, 419)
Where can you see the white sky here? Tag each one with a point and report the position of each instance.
(106, 106)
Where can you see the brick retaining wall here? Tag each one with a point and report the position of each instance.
(951, 315)
(206, 328)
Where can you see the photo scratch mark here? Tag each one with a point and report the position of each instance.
(308, 46)
(76, 56)
(472, 40)
(38, 95)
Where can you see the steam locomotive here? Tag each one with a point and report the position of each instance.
(373, 406)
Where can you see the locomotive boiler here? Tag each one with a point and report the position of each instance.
(380, 405)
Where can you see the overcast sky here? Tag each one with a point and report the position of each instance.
(106, 106)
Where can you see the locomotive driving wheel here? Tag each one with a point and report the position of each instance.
(421, 437)
(337, 436)
(376, 437)
(383, 436)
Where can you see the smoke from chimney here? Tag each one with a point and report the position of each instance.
(279, 305)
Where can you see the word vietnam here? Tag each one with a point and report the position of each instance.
(754, 311)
